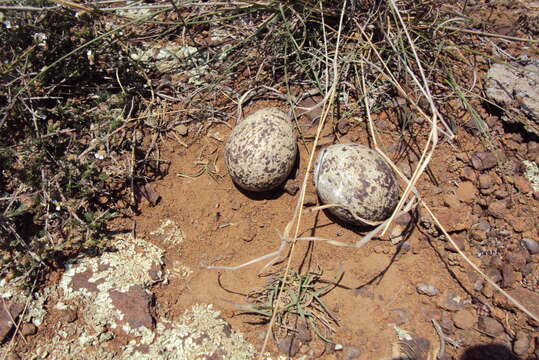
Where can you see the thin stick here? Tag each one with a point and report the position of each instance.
(476, 32)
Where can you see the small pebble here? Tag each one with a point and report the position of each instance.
(531, 245)
(464, 319)
(289, 345)
(521, 344)
(490, 326)
(427, 289)
(310, 200)
(485, 181)
(484, 160)
(69, 315)
(182, 130)
(28, 329)
(291, 187)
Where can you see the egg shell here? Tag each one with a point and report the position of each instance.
(358, 178)
(261, 150)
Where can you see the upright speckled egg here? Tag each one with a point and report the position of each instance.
(359, 179)
(261, 150)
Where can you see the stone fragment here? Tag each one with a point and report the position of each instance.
(514, 87)
(494, 273)
(291, 187)
(450, 301)
(509, 276)
(527, 269)
(459, 240)
(134, 305)
(28, 329)
(456, 219)
(517, 258)
(182, 130)
(464, 319)
(311, 109)
(310, 200)
(343, 126)
(69, 316)
(518, 223)
(490, 326)
(466, 192)
(6, 323)
(289, 345)
(447, 324)
(485, 181)
(529, 299)
(501, 194)
(522, 343)
(427, 289)
(303, 332)
(451, 201)
(497, 209)
(468, 173)
(110, 289)
(522, 184)
(484, 160)
(531, 245)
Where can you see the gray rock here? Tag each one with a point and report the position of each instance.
(516, 88)
(485, 181)
(509, 276)
(484, 160)
(521, 344)
(28, 329)
(6, 323)
(289, 345)
(490, 326)
(427, 289)
(531, 245)
(464, 319)
(451, 301)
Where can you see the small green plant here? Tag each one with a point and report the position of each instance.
(301, 303)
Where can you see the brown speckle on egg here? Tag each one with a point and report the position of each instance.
(261, 150)
(359, 179)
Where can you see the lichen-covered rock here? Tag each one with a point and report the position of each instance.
(200, 333)
(358, 179)
(112, 288)
(261, 150)
(515, 87)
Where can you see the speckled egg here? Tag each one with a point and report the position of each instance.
(261, 150)
(357, 178)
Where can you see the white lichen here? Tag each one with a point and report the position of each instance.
(135, 262)
(532, 173)
(199, 333)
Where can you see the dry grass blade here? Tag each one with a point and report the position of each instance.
(299, 206)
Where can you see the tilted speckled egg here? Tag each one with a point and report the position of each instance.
(359, 179)
(261, 150)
